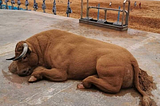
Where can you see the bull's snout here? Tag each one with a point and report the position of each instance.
(25, 72)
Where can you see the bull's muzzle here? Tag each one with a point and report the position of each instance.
(25, 72)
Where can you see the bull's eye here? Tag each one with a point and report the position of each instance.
(24, 58)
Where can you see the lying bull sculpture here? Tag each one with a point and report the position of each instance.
(59, 55)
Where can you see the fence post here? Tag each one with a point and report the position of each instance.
(26, 4)
(98, 12)
(127, 15)
(6, 3)
(54, 7)
(12, 2)
(68, 9)
(35, 6)
(87, 15)
(44, 6)
(19, 3)
(123, 12)
(118, 15)
(1, 2)
(105, 17)
(81, 9)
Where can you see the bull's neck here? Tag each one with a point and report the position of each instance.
(38, 48)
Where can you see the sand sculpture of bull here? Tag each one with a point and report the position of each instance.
(59, 55)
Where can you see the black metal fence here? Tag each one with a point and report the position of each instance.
(4, 5)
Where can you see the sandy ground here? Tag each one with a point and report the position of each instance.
(16, 91)
(147, 18)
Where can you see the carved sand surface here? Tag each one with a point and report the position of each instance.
(16, 91)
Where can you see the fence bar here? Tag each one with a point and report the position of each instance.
(6, 3)
(81, 9)
(54, 7)
(18, 3)
(105, 17)
(127, 16)
(87, 15)
(44, 6)
(105, 8)
(104, 23)
(26, 4)
(1, 2)
(123, 13)
(35, 6)
(98, 13)
(118, 15)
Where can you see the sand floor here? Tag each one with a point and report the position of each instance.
(147, 18)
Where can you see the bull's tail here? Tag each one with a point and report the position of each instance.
(139, 84)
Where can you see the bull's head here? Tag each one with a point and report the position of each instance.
(25, 59)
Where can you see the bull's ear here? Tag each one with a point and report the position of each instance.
(30, 49)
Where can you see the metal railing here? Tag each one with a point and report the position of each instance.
(125, 14)
(35, 6)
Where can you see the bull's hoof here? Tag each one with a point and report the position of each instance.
(80, 86)
(32, 79)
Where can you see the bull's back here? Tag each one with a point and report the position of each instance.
(56, 37)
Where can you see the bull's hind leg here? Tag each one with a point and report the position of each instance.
(109, 77)
(51, 74)
(109, 80)
(99, 83)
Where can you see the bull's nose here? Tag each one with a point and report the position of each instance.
(25, 72)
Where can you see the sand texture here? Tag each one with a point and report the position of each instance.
(146, 18)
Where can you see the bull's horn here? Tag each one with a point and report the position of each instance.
(11, 58)
(25, 49)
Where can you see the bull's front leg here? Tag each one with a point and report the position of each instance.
(51, 74)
